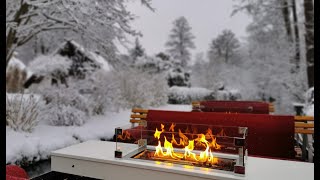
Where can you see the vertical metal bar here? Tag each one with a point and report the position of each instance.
(241, 157)
(304, 146)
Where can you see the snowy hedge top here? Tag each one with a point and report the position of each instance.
(194, 91)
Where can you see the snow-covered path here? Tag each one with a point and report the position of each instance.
(45, 138)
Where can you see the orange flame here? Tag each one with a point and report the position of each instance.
(124, 136)
(205, 156)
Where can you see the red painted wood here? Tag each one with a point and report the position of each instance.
(268, 135)
(252, 107)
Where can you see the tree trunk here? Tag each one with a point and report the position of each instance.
(286, 18)
(309, 38)
(11, 39)
(296, 35)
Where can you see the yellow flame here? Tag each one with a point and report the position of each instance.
(188, 154)
(204, 157)
(159, 151)
(157, 134)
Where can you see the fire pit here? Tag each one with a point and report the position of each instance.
(221, 148)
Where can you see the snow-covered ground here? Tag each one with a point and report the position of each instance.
(45, 138)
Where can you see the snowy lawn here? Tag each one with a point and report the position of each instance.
(35, 146)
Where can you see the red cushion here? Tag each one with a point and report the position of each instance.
(252, 107)
(268, 135)
(14, 178)
(15, 173)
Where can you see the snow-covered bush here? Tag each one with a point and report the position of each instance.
(185, 95)
(225, 94)
(152, 64)
(141, 89)
(102, 92)
(178, 77)
(54, 66)
(114, 90)
(64, 115)
(22, 112)
(64, 107)
(51, 69)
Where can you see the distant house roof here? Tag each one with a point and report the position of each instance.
(80, 56)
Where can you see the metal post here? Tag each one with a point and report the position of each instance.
(304, 146)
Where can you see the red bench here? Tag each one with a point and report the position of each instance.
(268, 135)
(252, 107)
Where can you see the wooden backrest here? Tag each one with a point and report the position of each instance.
(196, 105)
(302, 126)
(138, 115)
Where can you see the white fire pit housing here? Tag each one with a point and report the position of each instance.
(96, 159)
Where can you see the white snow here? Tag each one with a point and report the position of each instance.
(24, 96)
(310, 110)
(195, 92)
(102, 61)
(46, 138)
(104, 64)
(309, 104)
(15, 62)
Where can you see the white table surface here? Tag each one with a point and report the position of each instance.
(256, 168)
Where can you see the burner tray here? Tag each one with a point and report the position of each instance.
(224, 164)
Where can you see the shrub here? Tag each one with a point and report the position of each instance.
(178, 77)
(22, 112)
(64, 107)
(114, 90)
(232, 95)
(140, 89)
(102, 92)
(185, 95)
(64, 115)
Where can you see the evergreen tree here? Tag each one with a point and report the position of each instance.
(137, 51)
(180, 42)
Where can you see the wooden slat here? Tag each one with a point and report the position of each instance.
(303, 125)
(303, 131)
(304, 118)
(271, 109)
(135, 121)
(137, 110)
(143, 116)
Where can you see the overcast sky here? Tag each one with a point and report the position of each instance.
(206, 17)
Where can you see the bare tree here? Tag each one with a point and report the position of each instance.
(296, 35)
(309, 38)
(180, 41)
(286, 18)
(98, 20)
